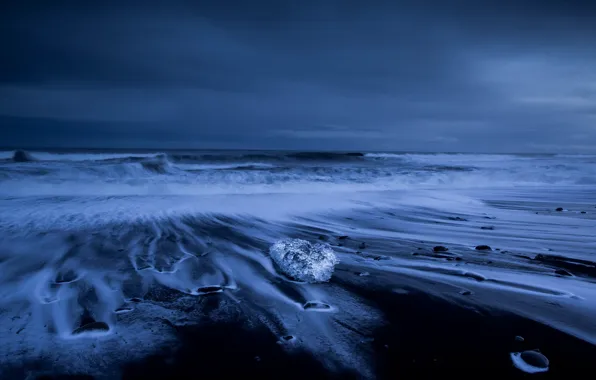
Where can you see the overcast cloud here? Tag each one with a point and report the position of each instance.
(490, 76)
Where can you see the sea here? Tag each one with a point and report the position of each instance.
(286, 264)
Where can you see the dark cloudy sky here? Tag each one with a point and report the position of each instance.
(508, 75)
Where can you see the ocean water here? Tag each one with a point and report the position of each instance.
(98, 249)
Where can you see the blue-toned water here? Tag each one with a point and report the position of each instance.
(128, 239)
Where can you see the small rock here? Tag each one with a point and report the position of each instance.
(343, 237)
(487, 228)
(483, 248)
(440, 248)
(465, 292)
(209, 289)
(288, 337)
(519, 338)
(535, 359)
(363, 274)
(314, 305)
(415, 253)
(530, 361)
(458, 258)
(583, 212)
(321, 237)
(457, 219)
(559, 209)
(563, 272)
(21, 156)
(92, 327)
(362, 245)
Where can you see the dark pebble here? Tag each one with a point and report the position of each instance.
(440, 248)
(465, 293)
(487, 228)
(415, 254)
(458, 259)
(362, 246)
(343, 237)
(483, 248)
(535, 358)
(288, 337)
(583, 212)
(321, 237)
(559, 209)
(313, 305)
(94, 326)
(210, 289)
(458, 219)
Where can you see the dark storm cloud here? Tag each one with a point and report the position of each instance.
(399, 75)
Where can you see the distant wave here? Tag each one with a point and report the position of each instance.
(323, 155)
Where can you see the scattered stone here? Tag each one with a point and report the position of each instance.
(92, 327)
(465, 293)
(21, 156)
(559, 209)
(458, 258)
(483, 248)
(530, 361)
(314, 305)
(343, 237)
(288, 338)
(415, 253)
(583, 212)
(209, 289)
(563, 272)
(440, 248)
(321, 237)
(362, 245)
(490, 228)
(519, 339)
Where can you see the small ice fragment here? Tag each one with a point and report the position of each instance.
(304, 261)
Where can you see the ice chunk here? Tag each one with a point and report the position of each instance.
(304, 261)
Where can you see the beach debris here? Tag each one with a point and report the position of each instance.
(440, 248)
